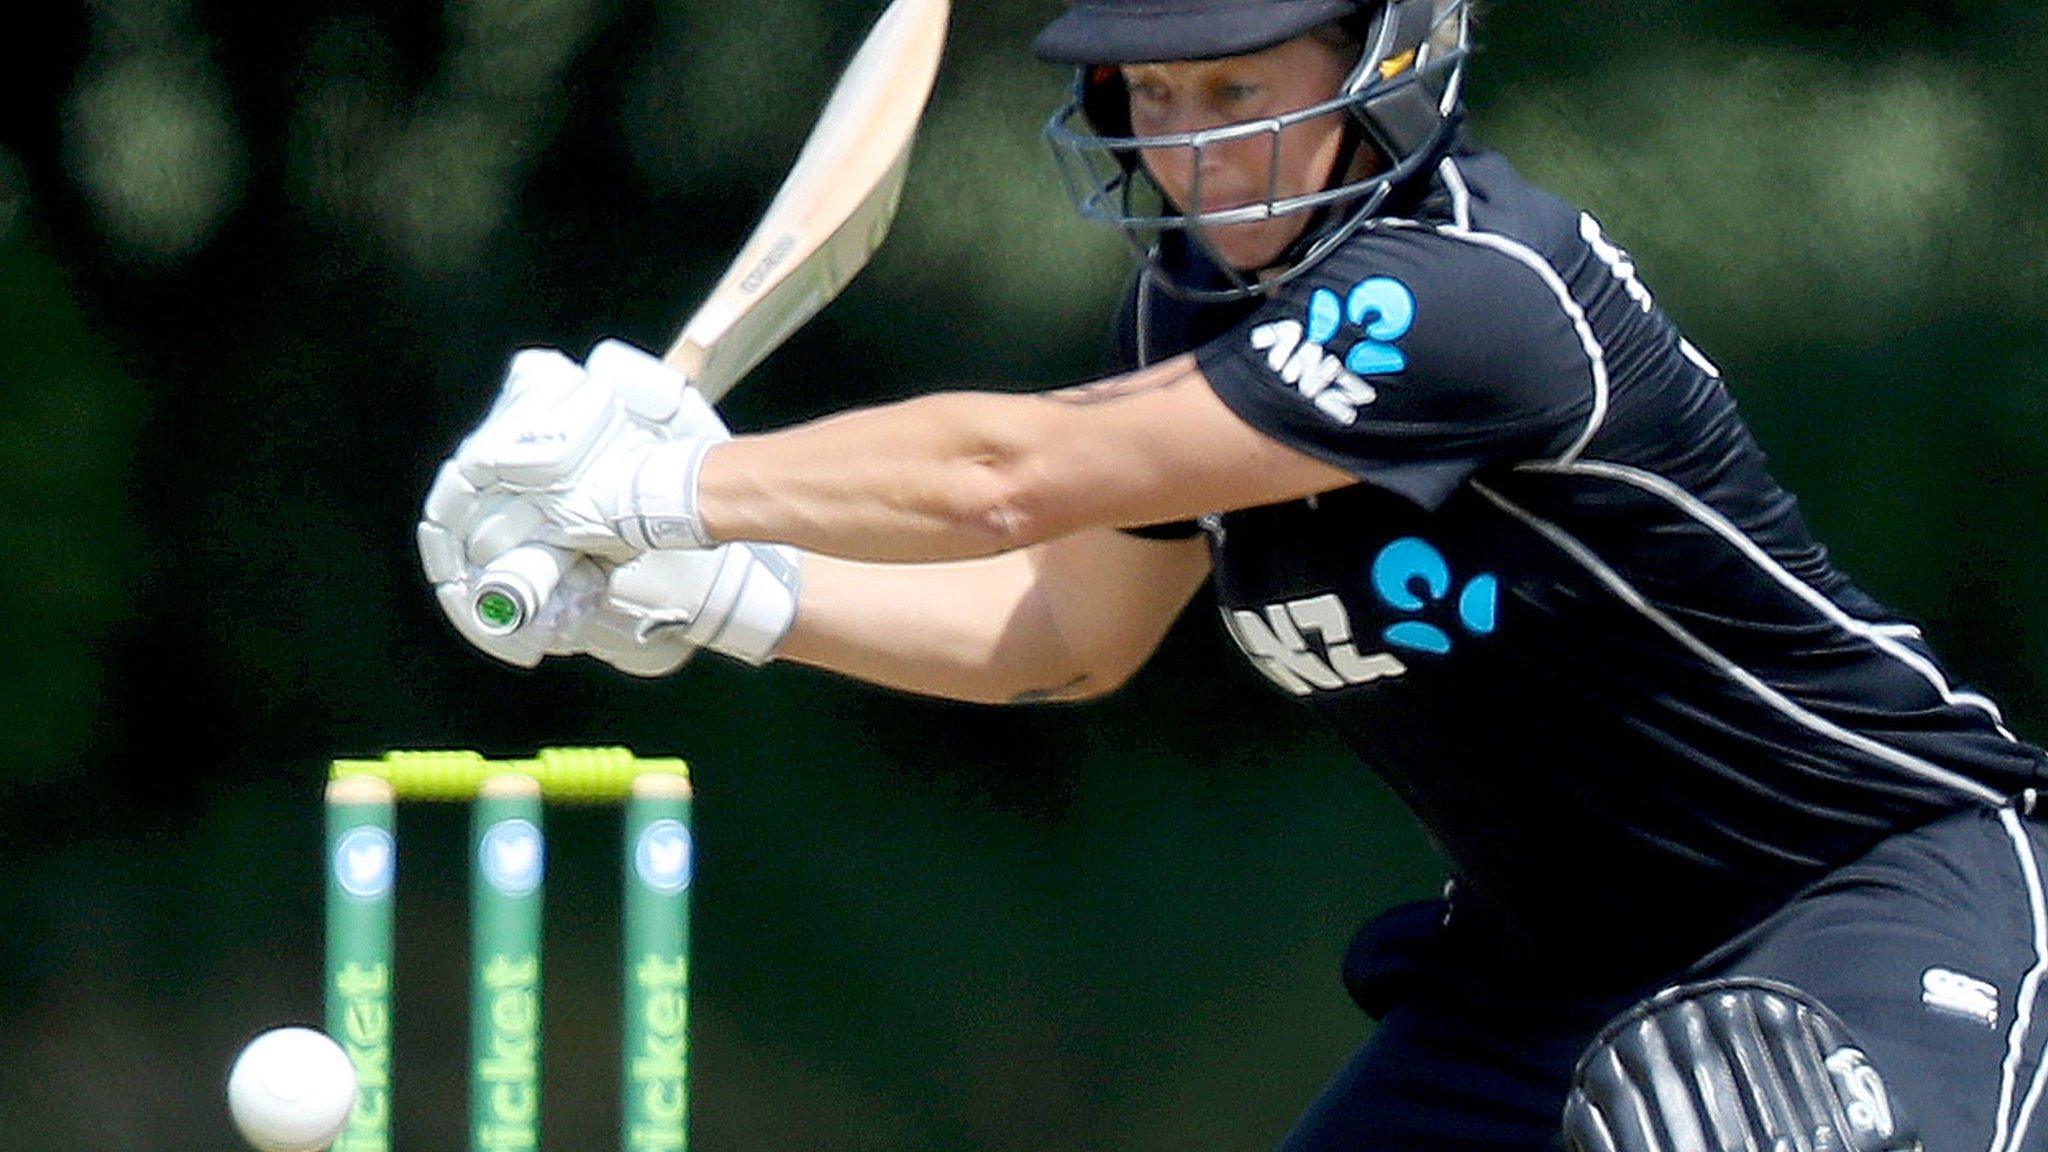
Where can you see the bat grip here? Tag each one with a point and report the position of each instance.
(514, 587)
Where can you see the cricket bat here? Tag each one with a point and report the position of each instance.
(829, 216)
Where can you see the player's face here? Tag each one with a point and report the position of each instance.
(1196, 95)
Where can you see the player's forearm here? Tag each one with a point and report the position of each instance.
(975, 630)
(943, 477)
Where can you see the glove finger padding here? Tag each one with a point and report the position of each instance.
(535, 369)
(453, 511)
(542, 438)
(654, 393)
(1738, 1065)
(582, 444)
(466, 532)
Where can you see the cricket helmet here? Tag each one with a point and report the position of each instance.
(1401, 100)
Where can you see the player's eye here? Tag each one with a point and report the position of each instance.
(1151, 105)
(1149, 92)
(1237, 92)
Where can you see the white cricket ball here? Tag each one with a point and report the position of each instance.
(291, 1090)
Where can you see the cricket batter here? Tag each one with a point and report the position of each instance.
(1736, 864)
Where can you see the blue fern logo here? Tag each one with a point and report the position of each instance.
(1371, 316)
(1382, 307)
(1410, 575)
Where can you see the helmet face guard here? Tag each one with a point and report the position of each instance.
(1401, 100)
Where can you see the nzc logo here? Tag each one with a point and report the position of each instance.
(1376, 313)
(1410, 575)
(1311, 645)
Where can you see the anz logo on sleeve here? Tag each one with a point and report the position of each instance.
(1310, 645)
(1376, 313)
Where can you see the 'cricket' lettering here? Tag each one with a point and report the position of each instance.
(508, 1066)
(1277, 641)
(365, 995)
(658, 1073)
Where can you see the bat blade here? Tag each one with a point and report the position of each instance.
(833, 209)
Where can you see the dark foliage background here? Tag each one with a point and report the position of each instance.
(261, 264)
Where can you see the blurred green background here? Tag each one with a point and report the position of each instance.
(261, 264)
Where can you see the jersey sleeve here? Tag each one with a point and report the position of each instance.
(1412, 359)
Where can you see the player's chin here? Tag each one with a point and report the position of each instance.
(1253, 247)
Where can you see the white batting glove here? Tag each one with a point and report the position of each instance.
(657, 507)
(561, 459)
(606, 453)
(646, 617)
(736, 599)
(465, 533)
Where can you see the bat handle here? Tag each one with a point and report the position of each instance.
(514, 587)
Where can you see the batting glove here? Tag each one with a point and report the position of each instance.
(463, 534)
(646, 617)
(606, 454)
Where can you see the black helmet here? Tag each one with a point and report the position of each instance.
(1126, 32)
(1402, 96)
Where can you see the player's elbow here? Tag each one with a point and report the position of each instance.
(1000, 493)
(1116, 656)
(1104, 679)
(1000, 510)
(1060, 663)
(1069, 684)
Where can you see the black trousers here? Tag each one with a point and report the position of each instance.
(1933, 948)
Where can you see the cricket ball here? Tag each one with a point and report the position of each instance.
(291, 1090)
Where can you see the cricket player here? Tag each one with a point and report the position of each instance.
(1735, 862)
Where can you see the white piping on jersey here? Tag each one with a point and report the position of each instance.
(1721, 526)
(1791, 710)
(1699, 359)
(1461, 229)
(1577, 315)
(1461, 193)
(1904, 631)
(2030, 987)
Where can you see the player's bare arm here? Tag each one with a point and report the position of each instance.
(959, 475)
(1068, 619)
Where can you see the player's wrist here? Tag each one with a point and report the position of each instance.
(658, 504)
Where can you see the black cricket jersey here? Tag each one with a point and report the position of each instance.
(1567, 614)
